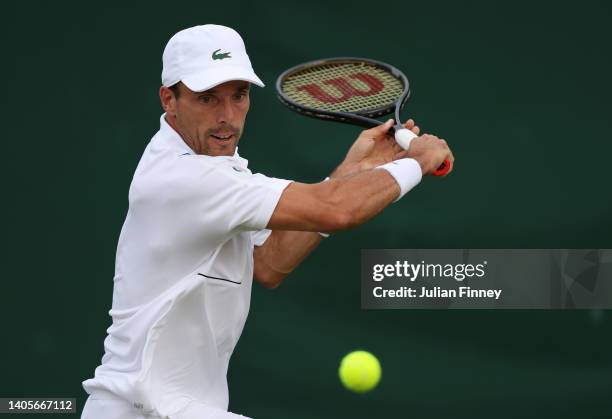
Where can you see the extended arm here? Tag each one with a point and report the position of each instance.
(338, 204)
(326, 206)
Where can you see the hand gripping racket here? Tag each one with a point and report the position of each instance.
(350, 90)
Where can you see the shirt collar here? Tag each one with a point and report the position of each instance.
(177, 141)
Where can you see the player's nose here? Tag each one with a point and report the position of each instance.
(225, 111)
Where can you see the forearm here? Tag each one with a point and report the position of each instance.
(345, 169)
(363, 195)
(281, 253)
(339, 204)
(285, 250)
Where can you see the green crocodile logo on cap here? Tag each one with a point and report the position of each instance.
(220, 56)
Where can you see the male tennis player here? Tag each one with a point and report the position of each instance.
(201, 226)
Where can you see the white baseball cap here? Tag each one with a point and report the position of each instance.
(204, 56)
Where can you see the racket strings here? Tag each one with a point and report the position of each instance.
(343, 87)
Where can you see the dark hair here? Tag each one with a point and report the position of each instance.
(175, 89)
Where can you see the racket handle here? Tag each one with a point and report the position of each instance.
(404, 137)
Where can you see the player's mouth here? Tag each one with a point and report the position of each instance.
(222, 137)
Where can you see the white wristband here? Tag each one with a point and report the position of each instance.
(406, 172)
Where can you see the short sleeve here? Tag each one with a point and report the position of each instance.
(259, 237)
(216, 199)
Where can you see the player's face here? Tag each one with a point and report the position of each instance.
(211, 122)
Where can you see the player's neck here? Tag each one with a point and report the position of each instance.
(171, 120)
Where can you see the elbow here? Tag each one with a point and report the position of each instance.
(270, 279)
(270, 284)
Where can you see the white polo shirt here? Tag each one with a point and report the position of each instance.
(184, 270)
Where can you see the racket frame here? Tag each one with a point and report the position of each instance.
(365, 118)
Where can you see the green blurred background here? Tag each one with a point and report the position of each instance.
(519, 89)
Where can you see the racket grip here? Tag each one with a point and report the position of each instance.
(404, 137)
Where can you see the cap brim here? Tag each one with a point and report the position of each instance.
(214, 77)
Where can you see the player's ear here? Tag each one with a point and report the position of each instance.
(168, 100)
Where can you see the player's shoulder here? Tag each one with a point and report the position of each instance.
(166, 174)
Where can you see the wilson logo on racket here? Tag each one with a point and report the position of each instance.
(345, 87)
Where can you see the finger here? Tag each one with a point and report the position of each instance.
(380, 131)
(409, 124)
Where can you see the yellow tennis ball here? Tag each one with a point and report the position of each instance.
(359, 371)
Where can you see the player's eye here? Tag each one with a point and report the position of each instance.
(240, 96)
(206, 99)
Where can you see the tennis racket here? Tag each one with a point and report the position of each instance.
(350, 90)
